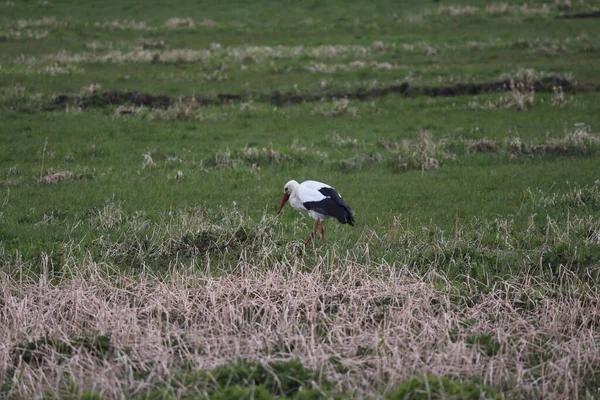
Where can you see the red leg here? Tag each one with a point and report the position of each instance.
(322, 231)
(313, 233)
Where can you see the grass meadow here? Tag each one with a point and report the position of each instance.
(144, 147)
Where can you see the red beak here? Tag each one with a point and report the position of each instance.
(284, 199)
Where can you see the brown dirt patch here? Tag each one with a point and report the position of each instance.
(595, 14)
(115, 98)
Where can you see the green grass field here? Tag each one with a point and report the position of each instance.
(143, 152)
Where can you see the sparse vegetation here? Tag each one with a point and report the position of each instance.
(143, 150)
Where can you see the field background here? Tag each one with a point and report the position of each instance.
(143, 152)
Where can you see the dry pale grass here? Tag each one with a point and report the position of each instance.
(315, 58)
(36, 34)
(32, 28)
(250, 155)
(348, 141)
(55, 177)
(368, 327)
(558, 97)
(178, 23)
(519, 97)
(351, 66)
(578, 196)
(492, 9)
(579, 141)
(125, 25)
(481, 146)
(457, 11)
(54, 70)
(337, 108)
(424, 153)
(245, 55)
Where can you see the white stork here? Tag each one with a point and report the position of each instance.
(320, 200)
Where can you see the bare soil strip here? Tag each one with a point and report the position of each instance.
(595, 14)
(116, 98)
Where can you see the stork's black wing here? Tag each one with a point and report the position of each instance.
(332, 205)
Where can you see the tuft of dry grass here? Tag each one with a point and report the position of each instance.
(125, 25)
(482, 145)
(497, 9)
(208, 23)
(423, 155)
(563, 5)
(146, 43)
(253, 156)
(577, 197)
(457, 11)
(347, 141)
(521, 95)
(32, 28)
(55, 177)
(177, 23)
(558, 97)
(315, 67)
(337, 108)
(579, 141)
(148, 161)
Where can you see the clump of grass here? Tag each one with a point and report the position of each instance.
(148, 160)
(315, 67)
(52, 22)
(347, 141)
(255, 154)
(125, 25)
(337, 108)
(52, 177)
(34, 352)
(187, 109)
(580, 141)
(457, 11)
(525, 9)
(424, 154)
(521, 95)
(177, 23)
(98, 45)
(587, 196)
(435, 387)
(250, 155)
(482, 146)
(126, 110)
(563, 5)
(56, 69)
(497, 9)
(208, 23)
(279, 378)
(35, 34)
(558, 97)
(18, 98)
(150, 44)
(361, 160)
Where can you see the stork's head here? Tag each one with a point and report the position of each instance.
(288, 189)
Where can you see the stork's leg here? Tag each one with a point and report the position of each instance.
(312, 233)
(322, 231)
